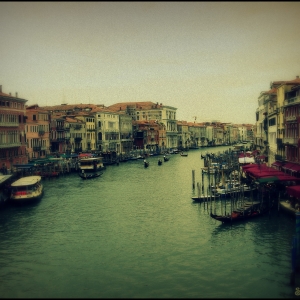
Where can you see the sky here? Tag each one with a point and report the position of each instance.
(210, 60)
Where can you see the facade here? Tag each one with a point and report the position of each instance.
(37, 132)
(183, 135)
(12, 131)
(147, 111)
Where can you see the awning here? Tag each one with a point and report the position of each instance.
(3, 178)
(293, 191)
(277, 163)
(291, 167)
(25, 166)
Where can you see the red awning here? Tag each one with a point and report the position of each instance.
(277, 163)
(292, 167)
(293, 191)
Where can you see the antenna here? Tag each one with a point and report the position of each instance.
(195, 118)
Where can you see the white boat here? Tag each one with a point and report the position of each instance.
(27, 188)
(91, 164)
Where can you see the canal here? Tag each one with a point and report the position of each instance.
(135, 232)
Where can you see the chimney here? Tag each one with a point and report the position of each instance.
(16, 95)
(0, 88)
(297, 77)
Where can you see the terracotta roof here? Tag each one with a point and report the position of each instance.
(137, 105)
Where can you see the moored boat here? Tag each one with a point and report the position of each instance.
(91, 164)
(166, 158)
(248, 211)
(183, 154)
(26, 189)
(89, 175)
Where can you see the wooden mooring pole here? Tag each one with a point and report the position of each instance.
(193, 178)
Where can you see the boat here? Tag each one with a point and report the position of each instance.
(146, 164)
(248, 211)
(159, 162)
(5, 181)
(91, 164)
(166, 158)
(26, 189)
(183, 154)
(89, 175)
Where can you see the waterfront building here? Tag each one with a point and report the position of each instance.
(57, 134)
(77, 132)
(146, 111)
(289, 98)
(146, 136)
(261, 124)
(88, 142)
(12, 130)
(107, 130)
(37, 132)
(126, 134)
(183, 135)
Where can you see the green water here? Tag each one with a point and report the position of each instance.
(135, 232)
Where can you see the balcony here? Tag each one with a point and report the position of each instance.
(91, 129)
(77, 127)
(67, 128)
(291, 118)
(10, 145)
(290, 140)
(293, 100)
(60, 128)
(41, 132)
(36, 148)
(9, 124)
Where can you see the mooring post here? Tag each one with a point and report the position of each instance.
(193, 178)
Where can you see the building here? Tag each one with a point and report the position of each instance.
(12, 130)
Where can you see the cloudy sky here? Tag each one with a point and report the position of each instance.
(210, 60)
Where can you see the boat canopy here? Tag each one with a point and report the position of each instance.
(3, 178)
(25, 166)
(24, 181)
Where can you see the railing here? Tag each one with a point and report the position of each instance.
(36, 148)
(9, 124)
(60, 128)
(290, 140)
(291, 118)
(41, 132)
(10, 145)
(77, 127)
(293, 100)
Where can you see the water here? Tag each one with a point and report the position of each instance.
(135, 232)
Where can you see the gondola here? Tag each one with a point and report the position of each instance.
(183, 154)
(249, 211)
(159, 162)
(146, 164)
(166, 158)
(89, 176)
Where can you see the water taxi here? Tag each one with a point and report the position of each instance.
(91, 164)
(27, 188)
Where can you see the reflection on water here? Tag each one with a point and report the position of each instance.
(135, 232)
